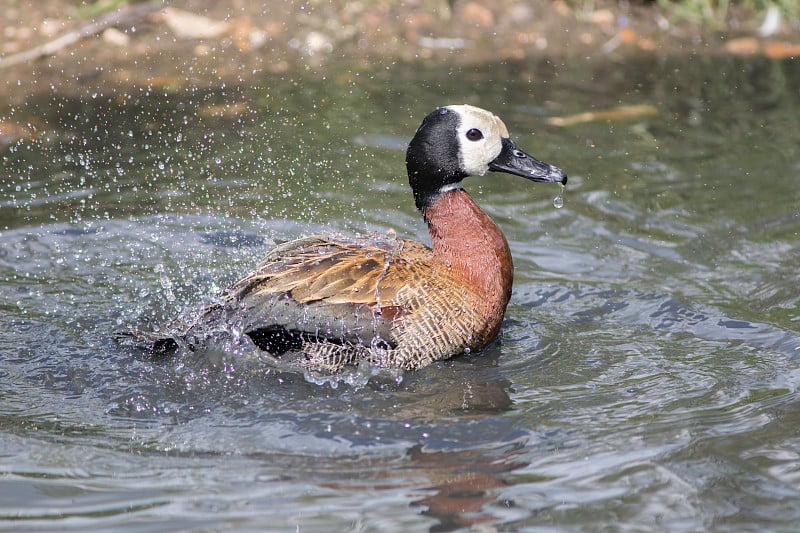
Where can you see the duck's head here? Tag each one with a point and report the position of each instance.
(457, 141)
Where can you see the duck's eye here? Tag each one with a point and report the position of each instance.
(474, 134)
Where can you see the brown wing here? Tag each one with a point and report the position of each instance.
(357, 271)
(340, 290)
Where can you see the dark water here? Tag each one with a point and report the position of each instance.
(646, 377)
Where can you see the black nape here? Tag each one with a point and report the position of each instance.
(432, 156)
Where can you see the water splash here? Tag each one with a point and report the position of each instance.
(356, 377)
(165, 282)
(558, 201)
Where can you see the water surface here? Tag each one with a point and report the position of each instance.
(646, 377)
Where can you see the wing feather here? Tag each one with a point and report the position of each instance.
(340, 289)
(363, 271)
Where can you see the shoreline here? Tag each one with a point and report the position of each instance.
(199, 43)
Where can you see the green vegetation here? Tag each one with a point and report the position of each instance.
(717, 13)
(97, 8)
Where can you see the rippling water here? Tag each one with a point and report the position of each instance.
(646, 377)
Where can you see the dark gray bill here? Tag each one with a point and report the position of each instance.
(514, 161)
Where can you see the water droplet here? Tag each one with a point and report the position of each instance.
(558, 201)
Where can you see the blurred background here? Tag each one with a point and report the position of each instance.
(646, 377)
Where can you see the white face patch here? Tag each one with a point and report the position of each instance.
(476, 155)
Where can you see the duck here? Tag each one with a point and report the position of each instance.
(391, 302)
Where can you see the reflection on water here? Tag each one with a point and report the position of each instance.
(646, 375)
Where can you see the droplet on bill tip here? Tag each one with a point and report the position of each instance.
(558, 201)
